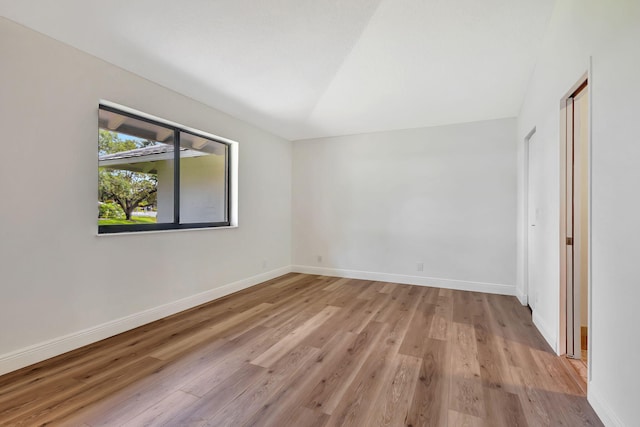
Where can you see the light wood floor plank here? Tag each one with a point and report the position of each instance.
(466, 383)
(430, 401)
(277, 410)
(296, 336)
(395, 400)
(241, 410)
(226, 391)
(328, 393)
(164, 411)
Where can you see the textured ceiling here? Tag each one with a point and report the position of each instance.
(305, 68)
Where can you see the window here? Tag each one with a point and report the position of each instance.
(153, 175)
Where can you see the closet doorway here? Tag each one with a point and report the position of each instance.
(575, 225)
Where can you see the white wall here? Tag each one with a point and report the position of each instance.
(382, 202)
(609, 32)
(57, 277)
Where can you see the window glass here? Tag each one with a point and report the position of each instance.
(141, 186)
(135, 171)
(203, 180)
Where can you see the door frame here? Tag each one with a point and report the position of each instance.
(564, 131)
(526, 223)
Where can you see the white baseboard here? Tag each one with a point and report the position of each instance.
(602, 408)
(492, 288)
(521, 296)
(54, 347)
(547, 333)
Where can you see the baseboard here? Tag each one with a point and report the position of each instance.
(45, 350)
(602, 408)
(521, 296)
(492, 288)
(546, 332)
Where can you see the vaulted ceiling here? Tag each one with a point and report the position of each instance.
(311, 68)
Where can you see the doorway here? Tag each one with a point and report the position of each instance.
(575, 233)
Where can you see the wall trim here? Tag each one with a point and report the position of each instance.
(462, 285)
(521, 296)
(547, 334)
(602, 408)
(54, 347)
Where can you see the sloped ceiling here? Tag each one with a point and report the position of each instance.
(305, 68)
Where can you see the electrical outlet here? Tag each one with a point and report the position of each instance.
(420, 266)
(319, 259)
(264, 264)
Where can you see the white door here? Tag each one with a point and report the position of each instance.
(535, 218)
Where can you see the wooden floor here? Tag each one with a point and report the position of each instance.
(306, 350)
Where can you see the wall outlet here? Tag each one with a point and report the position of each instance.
(420, 266)
(264, 264)
(319, 259)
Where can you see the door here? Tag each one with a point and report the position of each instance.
(535, 186)
(577, 250)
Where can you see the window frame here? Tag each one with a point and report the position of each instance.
(175, 225)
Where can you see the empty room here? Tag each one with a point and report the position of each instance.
(319, 213)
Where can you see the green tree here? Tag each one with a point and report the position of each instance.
(126, 188)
